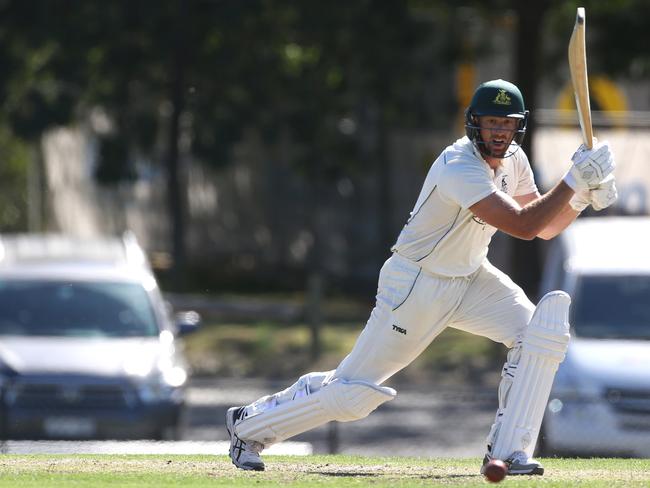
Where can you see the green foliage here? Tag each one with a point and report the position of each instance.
(621, 43)
(274, 350)
(296, 68)
(61, 62)
(329, 78)
(15, 157)
(618, 34)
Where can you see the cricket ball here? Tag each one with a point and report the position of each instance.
(495, 470)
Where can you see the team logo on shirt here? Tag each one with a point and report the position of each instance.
(504, 184)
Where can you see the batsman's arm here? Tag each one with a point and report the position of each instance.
(506, 214)
(560, 222)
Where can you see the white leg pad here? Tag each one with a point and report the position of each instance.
(543, 348)
(339, 400)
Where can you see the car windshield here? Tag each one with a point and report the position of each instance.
(75, 309)
(612, 307)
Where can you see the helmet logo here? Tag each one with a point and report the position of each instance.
(502, 98)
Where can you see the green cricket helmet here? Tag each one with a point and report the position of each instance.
(498, 98)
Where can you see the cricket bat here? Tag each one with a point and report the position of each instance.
(578, 68)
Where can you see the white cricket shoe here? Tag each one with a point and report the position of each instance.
(518, 463)
(244, 455)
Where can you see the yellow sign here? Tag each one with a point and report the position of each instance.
(604, 92)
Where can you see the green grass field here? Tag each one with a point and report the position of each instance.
(141, 471)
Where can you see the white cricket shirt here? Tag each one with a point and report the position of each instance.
(441, 234)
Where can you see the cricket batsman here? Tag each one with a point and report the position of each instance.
(439, 276)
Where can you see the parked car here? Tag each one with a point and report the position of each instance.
(88, 348)
(600, 402)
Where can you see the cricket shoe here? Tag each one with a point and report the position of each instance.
(518, 463)
(244, 455)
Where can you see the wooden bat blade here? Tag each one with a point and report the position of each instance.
(578, 68)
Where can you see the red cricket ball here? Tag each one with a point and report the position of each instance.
(495, 470)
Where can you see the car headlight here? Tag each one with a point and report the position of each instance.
(162, 385)
(174, 376)
(156, 382)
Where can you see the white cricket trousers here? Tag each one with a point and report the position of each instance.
(414, 306)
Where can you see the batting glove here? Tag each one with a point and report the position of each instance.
(605, 195)
(581, 200)
(590, 167)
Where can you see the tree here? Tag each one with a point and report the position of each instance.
(332, 77)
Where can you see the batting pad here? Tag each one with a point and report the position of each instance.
(543, 348)
(339, 400)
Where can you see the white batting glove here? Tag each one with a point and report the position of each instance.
(605, 195)
(590, 167)
(581, 200)
(599, 198)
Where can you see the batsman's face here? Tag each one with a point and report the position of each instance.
(497, 133)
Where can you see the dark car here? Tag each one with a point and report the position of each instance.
(88, 349)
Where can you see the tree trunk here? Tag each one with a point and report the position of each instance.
(176, 178)
(526, 265)
(316, 272)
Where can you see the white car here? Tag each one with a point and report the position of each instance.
(87, 345)
(600, 402)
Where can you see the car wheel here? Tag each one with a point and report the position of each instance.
(175, 430)
(169, 433)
